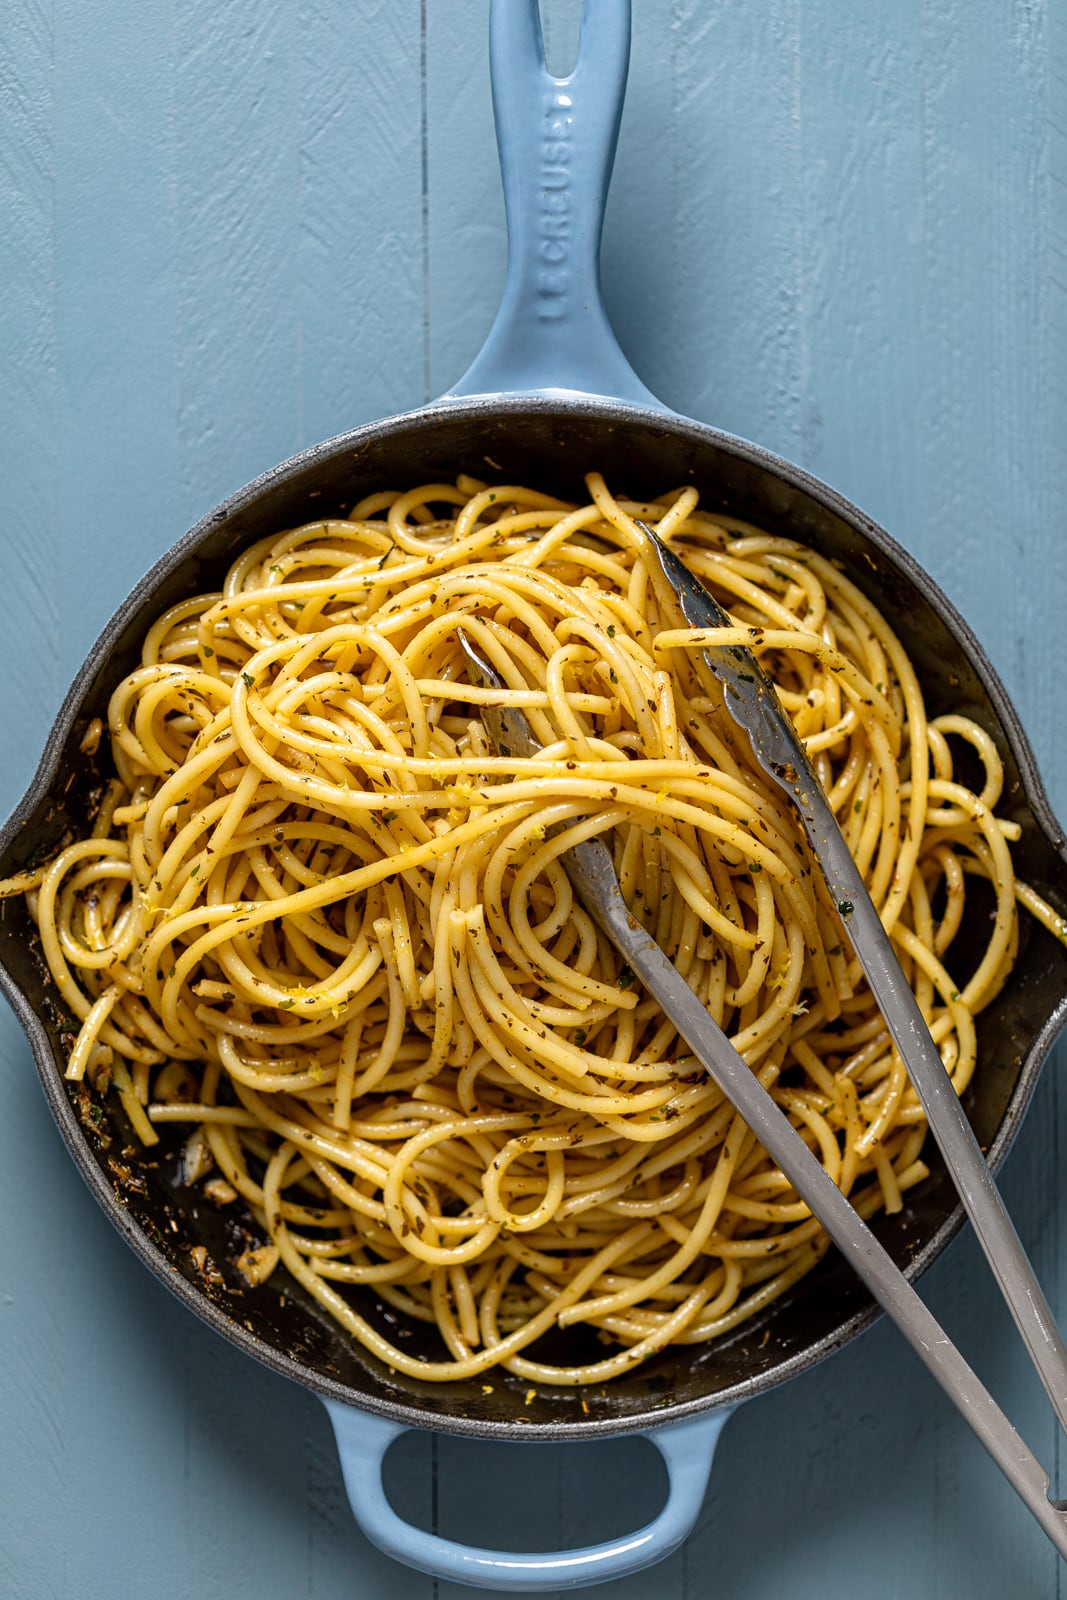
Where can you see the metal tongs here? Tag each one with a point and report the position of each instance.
(751, 700)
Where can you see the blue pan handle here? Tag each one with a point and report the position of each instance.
(687, 1448)
(557, 140)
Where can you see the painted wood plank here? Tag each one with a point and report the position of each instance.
(1048, 723)
(28, 392)
(361, 296)
(736, 349)
(236, 202)
(465, 237)
(245, 227)
(114, 293)
(643, 243)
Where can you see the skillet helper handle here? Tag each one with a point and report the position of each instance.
(557, 139)
(687, 1448)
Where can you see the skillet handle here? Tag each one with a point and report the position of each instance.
(687, 1448)
(557, 140)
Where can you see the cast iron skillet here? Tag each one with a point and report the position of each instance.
(549, 397)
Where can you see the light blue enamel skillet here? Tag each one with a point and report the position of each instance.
(549, 397)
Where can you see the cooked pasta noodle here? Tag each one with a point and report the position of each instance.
(321, 925)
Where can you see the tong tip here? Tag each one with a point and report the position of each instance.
(483, 673)
(699, 607)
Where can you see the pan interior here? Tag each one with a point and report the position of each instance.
(550, 445)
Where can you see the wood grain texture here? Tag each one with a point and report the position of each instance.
(28, 393)
(231, 230)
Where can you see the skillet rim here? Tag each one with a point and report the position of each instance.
(358, 440)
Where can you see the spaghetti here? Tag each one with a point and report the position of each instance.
(322, 925)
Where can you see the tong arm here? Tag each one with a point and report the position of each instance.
(751, 700)
(590, 869)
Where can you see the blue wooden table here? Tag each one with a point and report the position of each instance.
(231, 230)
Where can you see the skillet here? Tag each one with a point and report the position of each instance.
(550, 396)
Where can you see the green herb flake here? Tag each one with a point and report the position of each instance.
(845, 907)
(248, 680)
(626, 978)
